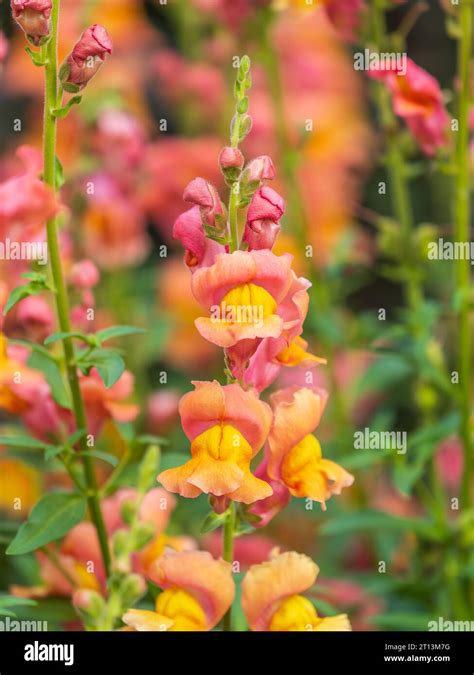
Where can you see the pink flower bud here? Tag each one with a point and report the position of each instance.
(263, 216)
(261, 234)
(34, 17)
(231, 158)
(85, 275)
(259, 169)
(86, 58)
(266, 205)
(203, 194)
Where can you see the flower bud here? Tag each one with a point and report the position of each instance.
(34, 17)
(88, 602)
(132, 588)
(203, 194)
(148, 468)
(144, 533)
(85, 59)
(231, 158)
(259, 169)
(263, 216)
(231, 161)
(261, 234)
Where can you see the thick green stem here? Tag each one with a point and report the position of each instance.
(62, 303)
(228, 554)
(462, 234)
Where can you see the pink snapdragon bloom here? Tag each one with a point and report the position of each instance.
(86, 58)
(34, 17)
(197, 592)
(294, 454)
(273, 600)
(248, 295)
(263, 218)
(26, 203)
(418, 99)
(200, 251)
(227, 426)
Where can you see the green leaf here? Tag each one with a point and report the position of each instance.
(60, 180)
(35, 57)
(109, 364)
(117, 331)
(22, 442)
(99, 454)
(213, 521)
(369, 520)
(55, 337)
(7, 601)
(38, 283)
(63, 112)
(47, 365)
(51, 518)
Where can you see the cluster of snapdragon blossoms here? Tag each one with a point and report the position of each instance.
(254, 308)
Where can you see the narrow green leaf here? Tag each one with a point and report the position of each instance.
(48, 366)
(52, 517)
(54, 337)
(22, 442)
(117, 331)
(104, 456)
(213, 521)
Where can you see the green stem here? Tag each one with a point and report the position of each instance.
(62, 302)
(228, 554)
(462, 234)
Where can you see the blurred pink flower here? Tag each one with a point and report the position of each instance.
(450, 462)
(162, 411)
(418, 99)
(169, 164)
(26, 203)
(113, 226)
